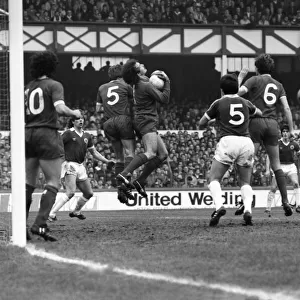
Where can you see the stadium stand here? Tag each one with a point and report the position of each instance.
(249, 13)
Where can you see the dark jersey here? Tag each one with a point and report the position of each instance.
(146, 97)
(41, 97)
(264, 92)
(287, 151)
(115, 97)
(76, 145)
(232, 114)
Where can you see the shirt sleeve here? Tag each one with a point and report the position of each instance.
(57, 93)
(66, 136)
(90, 143)
(252, 108)
(99, 98)
(159, 96)
(211, 113)
(250, 83)
(297, 148)
(282, 92)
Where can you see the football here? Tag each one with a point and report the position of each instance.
(157, 82)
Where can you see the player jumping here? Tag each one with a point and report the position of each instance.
(235, 146)
(76, 143)
(146, 97)
(116, 99)
(287, 149)
(266, 93)
(44, 148)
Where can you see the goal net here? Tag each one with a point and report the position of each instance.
(5, 154)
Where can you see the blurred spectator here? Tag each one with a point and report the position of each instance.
(285, 13)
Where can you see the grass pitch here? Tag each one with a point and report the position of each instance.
(176, 243)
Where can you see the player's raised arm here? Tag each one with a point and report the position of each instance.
(287, 112)
(160, 96)
(246, 86)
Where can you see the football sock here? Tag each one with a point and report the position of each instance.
(80, 204)
(216, 193)
(29, 192)
(128, 159)
(127, 162)
(119, 167)
(281, 183)
(149, 167)
(247, 195)
(59, 203)
(271, 197)
(297, 196)
(137, 161)
(47, 201)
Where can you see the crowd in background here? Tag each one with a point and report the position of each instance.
(234, 12)
(190, 154)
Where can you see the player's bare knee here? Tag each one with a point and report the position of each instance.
(70, 194)
(150, 155)
(273, 190)
(163, 156)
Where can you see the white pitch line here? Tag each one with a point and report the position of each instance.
(98, 267)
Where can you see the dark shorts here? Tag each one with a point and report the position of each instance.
(145, 124)
(264, 131)
(43, 143)
(119, 128)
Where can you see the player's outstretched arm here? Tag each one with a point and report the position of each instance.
(98, 156)
(288, 113)
(204, 121)
(64, 110)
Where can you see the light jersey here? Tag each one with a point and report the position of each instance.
(264, 92)
(115, 97)
(146, 97)
(287, 151)
(232, 114)
(41, 97)
(76, 145)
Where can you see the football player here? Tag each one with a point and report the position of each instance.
(232, 114)
(287, 149)
(76, 143)
(267, 93)
(146, 97)
(116, 98)
(44, 100)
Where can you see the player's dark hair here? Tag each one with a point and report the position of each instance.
(130, 72)
(70, 123)
(43, 63)
(72, 119)
(229, 84)
(115, 72)
(264, 64)
(284, 127)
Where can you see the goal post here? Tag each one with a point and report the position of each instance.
(17, 121)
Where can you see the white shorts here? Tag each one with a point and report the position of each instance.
(239, 149)
(289, 169)
(74, 169)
